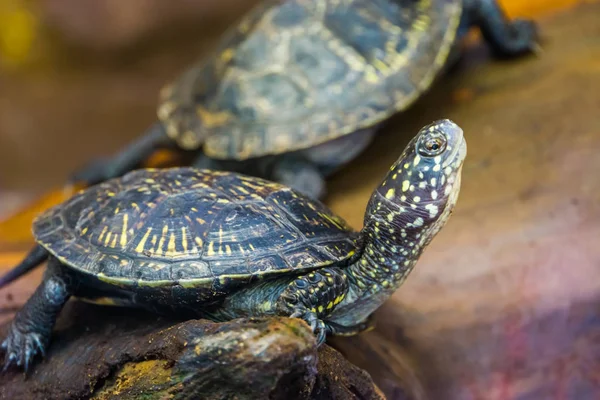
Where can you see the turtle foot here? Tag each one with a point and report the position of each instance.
(316, 325)
(21, 348)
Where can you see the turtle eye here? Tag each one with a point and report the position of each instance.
(432, 144)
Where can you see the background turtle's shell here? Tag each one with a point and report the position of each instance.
(190, 227)
(296, 73)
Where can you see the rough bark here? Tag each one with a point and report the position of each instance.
(109, 353)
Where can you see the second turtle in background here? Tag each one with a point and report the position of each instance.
(297, 89)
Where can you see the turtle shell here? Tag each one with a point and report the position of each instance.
(161, 227)
(297, 73)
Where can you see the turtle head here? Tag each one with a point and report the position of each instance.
(416, 198)
(404, 214)
(427, 174)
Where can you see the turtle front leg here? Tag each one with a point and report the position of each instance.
(298, 173)
(125, 161)
(505, 37)
(30, 330)
(313, 296)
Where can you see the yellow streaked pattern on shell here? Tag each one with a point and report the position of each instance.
(415, 39)
(174, 229)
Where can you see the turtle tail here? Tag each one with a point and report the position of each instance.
(36, 256)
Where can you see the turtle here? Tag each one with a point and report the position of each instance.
(223, 245)
(297, 89)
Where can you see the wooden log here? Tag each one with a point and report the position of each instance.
(104, 353)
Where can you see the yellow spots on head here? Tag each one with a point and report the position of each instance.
(437, 160)
(84, 230)
(436, 167)
(123, 238)
(405, 185)
(142, 243)
(406, 166)
(390, 194)
(433, 181)
(402, 198)
(394, 176)
(416, 199)
(434, 194)
(320, 309)
(448, 170)
(117, 210)
(422, 185)
(390, 217)
(416, 160)
(433, 210)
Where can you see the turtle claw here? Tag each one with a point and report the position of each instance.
(21, 348)
(316, 325)
(9, 359)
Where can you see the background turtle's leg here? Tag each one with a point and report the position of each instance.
(333, 155)
(202, 161)
(505, 37)
(313, 296)
(295, 171)
(125, 161)
(30, 330)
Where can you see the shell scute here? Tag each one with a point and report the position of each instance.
(184, 226)
(299, 73)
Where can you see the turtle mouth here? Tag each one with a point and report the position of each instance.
(459, 152)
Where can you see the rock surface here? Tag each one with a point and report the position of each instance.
(105, 353)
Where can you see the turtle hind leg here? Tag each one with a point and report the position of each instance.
(297, 173)
(125, 161)
(30, 330)
(506, 38)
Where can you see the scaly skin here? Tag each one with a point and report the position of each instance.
(405, 212)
